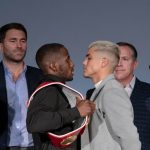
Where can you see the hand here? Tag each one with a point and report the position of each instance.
(85, 107)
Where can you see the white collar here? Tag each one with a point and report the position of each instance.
(98, 83)
(132, 83)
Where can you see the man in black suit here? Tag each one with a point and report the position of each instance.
(138, 91)
(17, 82)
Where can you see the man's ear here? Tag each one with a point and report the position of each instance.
(53, 66)
(105, 62)
(135, 64)
(1, 47)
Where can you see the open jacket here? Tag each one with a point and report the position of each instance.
(140, 99)
(33, 76)
(111, 126)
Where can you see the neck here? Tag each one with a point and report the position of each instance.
(101, 76)
(125, 82)
(15, 68)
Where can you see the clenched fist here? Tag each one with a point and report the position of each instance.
(85, 107)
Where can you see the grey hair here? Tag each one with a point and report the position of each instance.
(109, 48)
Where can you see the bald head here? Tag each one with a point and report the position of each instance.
(49, 54)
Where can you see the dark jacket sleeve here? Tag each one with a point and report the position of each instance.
(49, 110)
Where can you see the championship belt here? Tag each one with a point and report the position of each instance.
(79, 125)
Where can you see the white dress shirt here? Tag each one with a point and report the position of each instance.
(129, 87)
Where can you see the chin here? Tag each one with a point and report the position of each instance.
(85, 75)
(118, 78)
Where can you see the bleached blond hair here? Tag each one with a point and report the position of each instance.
(109, 49)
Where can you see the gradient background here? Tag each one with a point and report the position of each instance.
(77, 23)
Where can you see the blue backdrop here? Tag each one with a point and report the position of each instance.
(78, 23)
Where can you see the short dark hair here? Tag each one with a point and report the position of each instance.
(135, 54)
(47, 50)
(9, 26)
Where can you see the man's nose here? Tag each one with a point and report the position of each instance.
(19, 44)
(119, 63)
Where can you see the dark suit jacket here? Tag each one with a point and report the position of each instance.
(140, 99)
(50, 111)
(33, 75)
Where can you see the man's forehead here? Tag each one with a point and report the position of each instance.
(125, 51)
(91, 50)
(13, 33)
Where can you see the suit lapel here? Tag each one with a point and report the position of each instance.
(101, 86)
(96, 92)
(3, 94)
